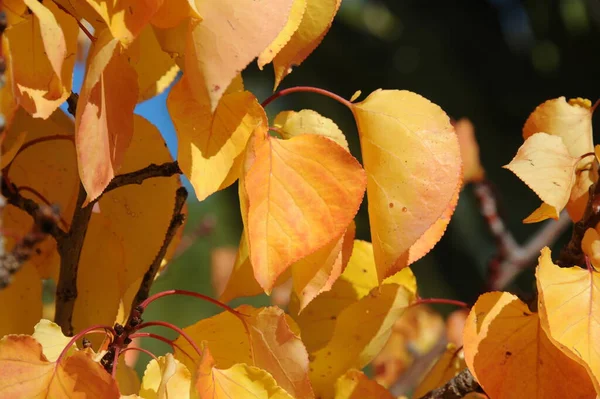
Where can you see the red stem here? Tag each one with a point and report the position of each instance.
(81, 334)
(174, 328)
(192, 294)
(441, 301)
(163, 339)
(115, 362)
(306, 89)
(81, 26)
(135, 348)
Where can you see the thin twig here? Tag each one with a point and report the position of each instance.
(176, 221)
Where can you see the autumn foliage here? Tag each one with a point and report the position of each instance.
(94, 202)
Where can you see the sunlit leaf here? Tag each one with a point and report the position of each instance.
(447, 366)
(295, 203)
(132, 222)
(167, 378)
(273, 345)
(318, 320)
(227, 40)
(361, 330)
(155, 69)
(412, 158)
(209, 144)
(572, 122)
(25, 295)
(292, 24)
(307, 121)
(104, 121)
(568, 305)
(26, 373)
(510, 355)
(355, 385)
(50, 336)
(127, 378)
(315, 23)
(317, 272)
(544, 212)
(543, 163)
(42, 52)
(238, 381)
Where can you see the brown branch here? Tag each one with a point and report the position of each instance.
(459, 386)
(166, 169)
(176, 221)
(69, 249)
(72, 103)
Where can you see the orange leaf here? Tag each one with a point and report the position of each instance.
(104, 121)
(445, 368)
(510, 355)
(26, 373)
(238, 381)
(543, 163)
(210, 143)
(42, 50)
(295, 203)
(413, 164)
(272, 344)
(315, 23)
(227, 40)
(317, 272)
(172, 12)
(355, 385)
(568, 306)
(9, 153)
(469, 151)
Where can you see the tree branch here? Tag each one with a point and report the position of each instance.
(176, 221)
(69, 250)
(462, 384)
(166, 169)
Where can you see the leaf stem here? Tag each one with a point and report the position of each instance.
(81, 334)
(174, 328)
(135, 348)
(192, 294)
(43, 199)
(81, 26)
(163, 339)
(306, 89)
(440, 301)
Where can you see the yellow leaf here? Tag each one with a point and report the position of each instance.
(172, 12)
(25, 295)
(543, 163)
(590, 244)
(209, 144)
(510, 355)
(315, 23)
(53, 341)
(568, 305)
(317, 272)
(238, 381)
(469, 151)
(360, 332)
(447, 366)
(544, 212)
(293, 22)
(9, 153)
(104, 121)
(572, 122)
(126, 18)
(155, 69)
(227, 40)
(167, 378)
(272, 344)
(26, 373)
(42, 47)
(355, 96)
(318, 320)
(296, 204)
(355, 385)
(131, 225)
(127, 378)
(307, 121)
(413, 164)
